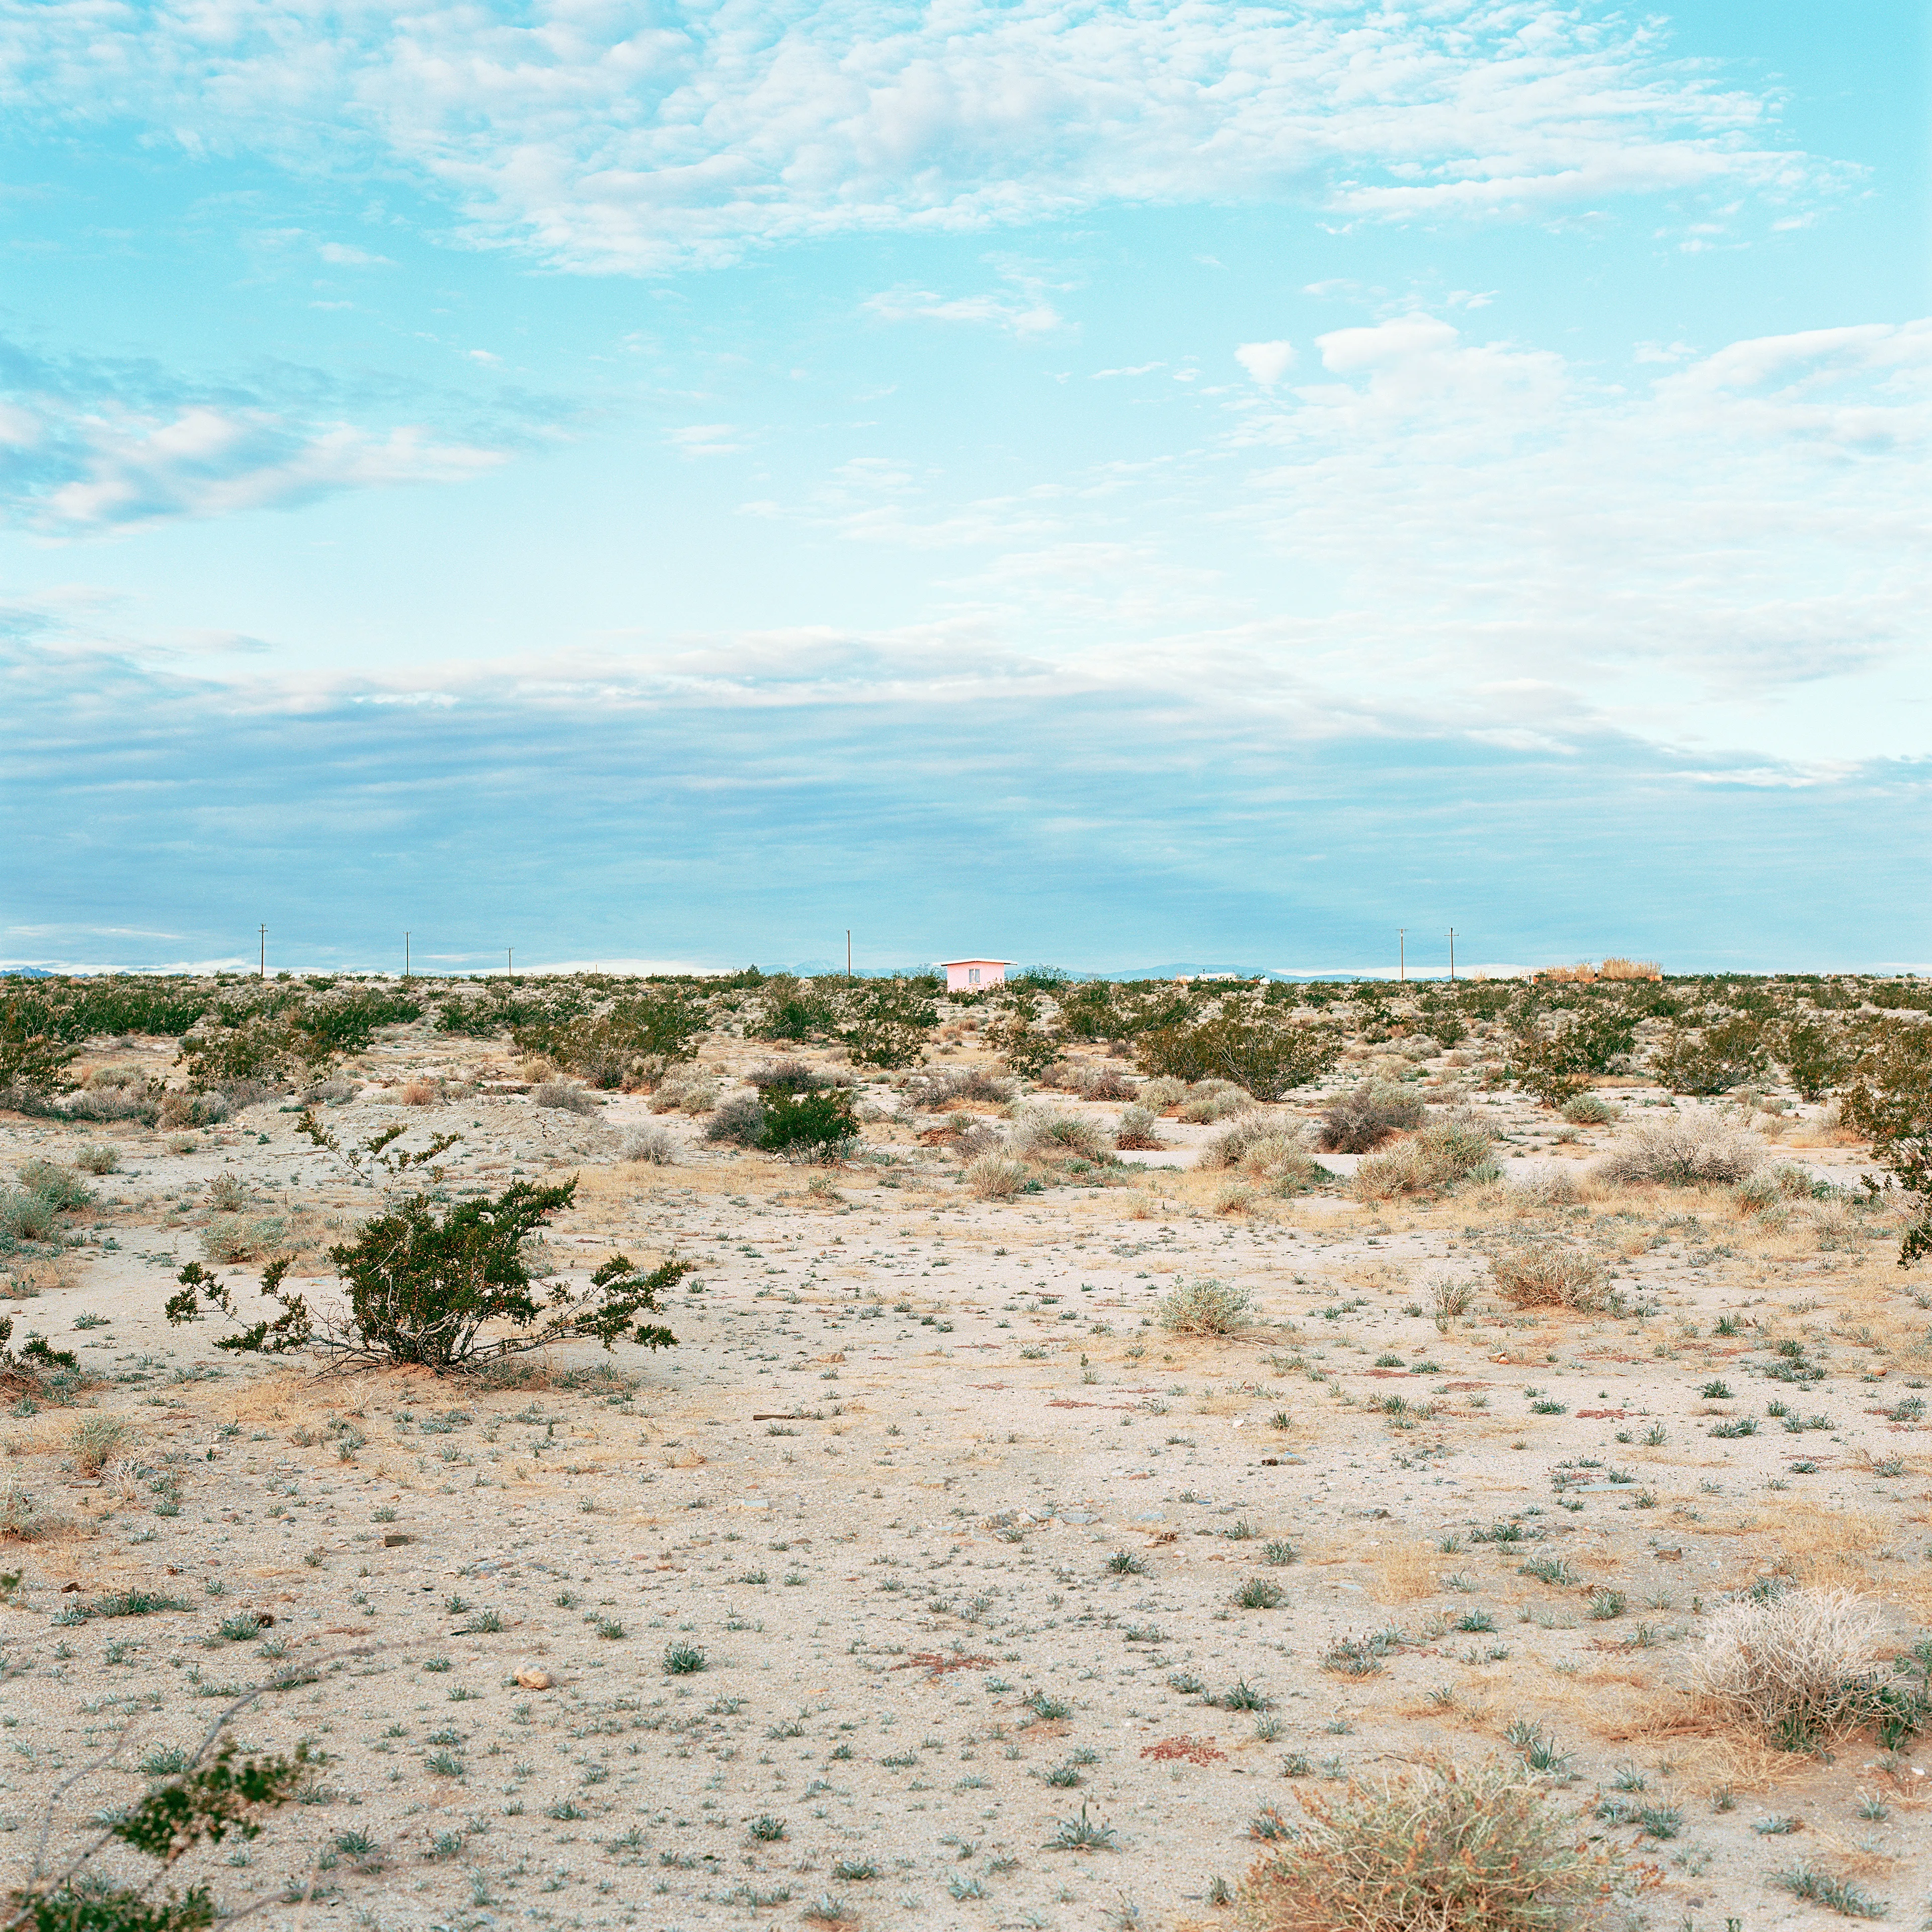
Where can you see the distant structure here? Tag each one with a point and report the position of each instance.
(970, 976)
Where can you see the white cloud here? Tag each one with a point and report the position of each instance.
(341, 255)
(605, 138)
(706, 439)
(1024, 314)
(1267, 362)
(124, 468)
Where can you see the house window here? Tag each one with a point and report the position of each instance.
(972, 975)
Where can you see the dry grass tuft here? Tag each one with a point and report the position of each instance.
(995, 1176)
(654, 1146)
(1044, 1130)
(1365, 1118)
(1437, 1157)
(1685, 1151)
(95, 1440)
(419, 1094)
(1442, 1848)
(1204, 1307)
(1798, 1668)
(1549, 1274)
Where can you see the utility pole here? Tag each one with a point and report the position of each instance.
(510, 962)
(848, 952)
(1452, 956)
(1402, 954)
(405, 957)
(262, 971)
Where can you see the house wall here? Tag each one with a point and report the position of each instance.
(959, 980)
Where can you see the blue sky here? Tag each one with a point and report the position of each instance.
(1104, 483)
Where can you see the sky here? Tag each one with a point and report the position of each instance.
(1086, 483)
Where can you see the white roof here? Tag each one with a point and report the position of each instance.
(975, 962)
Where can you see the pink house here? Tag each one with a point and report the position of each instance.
(969, 976)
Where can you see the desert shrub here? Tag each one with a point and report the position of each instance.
(1440, 1848)
(1229, 1147)
(1027, 1048)
(1549, 1274)
(60, 1187)
(1589, 1110)
(738, 1122)
(1357, 1121)
(1162, 1093)
(1800, 1667)
(226, 1194)
(1441, 1154)
(1265, 1055)
(635, 1037)
(1207, 1101)
(1136, 1128)
(1047, 1134)
(1712, 1059)
(206, 1796)
(1890, 1100)
(563, 1096)
(22, 1518)
(1098, 1082)
(26, 1215)
(787, 1076)
(655, 1146)
(230, 1238)
(995, 1176)
(1207, 1306)
(1554, 1054)
(940, 1087)
(1614, 968)
(1781, 1180)
(102, 1157)
(684, 1089)
(1817, 1055)
(419, 1093)
(422, 1288)
(1234, 1197)
(886, 1022)
(95, 1441)
(1682, 1151)
(817, 1124)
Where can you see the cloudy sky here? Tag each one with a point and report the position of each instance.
(1112, 484)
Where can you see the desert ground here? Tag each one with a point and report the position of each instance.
(1003, 1602)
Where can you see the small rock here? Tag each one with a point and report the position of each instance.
(532, 1678)
(395, 1537)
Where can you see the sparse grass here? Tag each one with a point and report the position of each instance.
(1442, 1848)
(1835, 1894)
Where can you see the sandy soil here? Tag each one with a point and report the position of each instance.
(960, 1530)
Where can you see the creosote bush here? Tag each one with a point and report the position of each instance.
(1550, 1274)
(1441, 1848)
(1357, 1121)
(1683, 1150)
(1208, 1306)
(423, 1289)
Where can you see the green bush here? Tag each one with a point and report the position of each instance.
(1712, 1059)
(818, 1124)
(1267, 1055)
(1890, 1099)
(422, 1287)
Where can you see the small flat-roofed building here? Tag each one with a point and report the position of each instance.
(970, 976)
